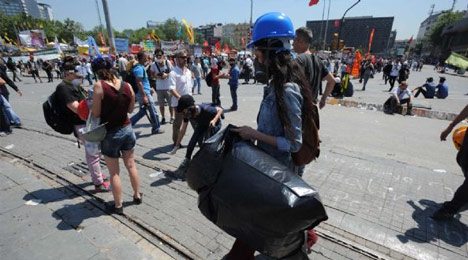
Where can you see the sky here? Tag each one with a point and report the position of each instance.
(133, 14)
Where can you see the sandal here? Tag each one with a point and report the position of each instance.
(138, 201)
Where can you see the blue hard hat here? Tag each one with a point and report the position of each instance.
(272, 25)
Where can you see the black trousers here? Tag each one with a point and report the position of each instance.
(423, 91)
(392, 80)
(215, 95)
(460, 198)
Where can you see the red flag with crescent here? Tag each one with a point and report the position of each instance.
(313, 2)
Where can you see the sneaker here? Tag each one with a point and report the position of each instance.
(17, 125)
(104, 177)
(199, 93)
(163, 121)
(160, 131)
(138, 201)
(409, 113)
(104, 187)
(442, 214)
(171, 121)
(111, 209)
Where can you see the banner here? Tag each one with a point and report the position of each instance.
(93, 49)
(356, 64)
(149, 45)
(457, 60)
(370, 41)
(57, 45)
(33, 38)
(121, 45)
(135, 48)
(169, 47)
(79, 42)
(197, 52)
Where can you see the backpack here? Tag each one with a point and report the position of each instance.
(209, 79)
(310, 149)
(55, 116)
(131, 79)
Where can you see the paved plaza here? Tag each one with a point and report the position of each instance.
(379, 176)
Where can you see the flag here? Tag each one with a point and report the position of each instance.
(63, 41)
(337, 23)
(101, 38)
(179, 32)
(408, 43)
(79, 42)
(410, 39)
(154, 36)
(370, 41)
(243, 42)
(218, 46)
(356, 64)
(226, 48)
(205, 43)
(313, 2)
(5, 36)
(57, 45)
(189, 31)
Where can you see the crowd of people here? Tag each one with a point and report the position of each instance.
(292, 73)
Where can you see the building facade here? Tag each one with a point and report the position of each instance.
(152, 24)
(46, 11)
(355, 32)
(242, 31)
(455, 38)
(229, 33)
(16, 7)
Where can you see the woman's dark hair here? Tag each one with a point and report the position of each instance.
(284, 69)
(69, 63)
(103, 66)
(158, 51)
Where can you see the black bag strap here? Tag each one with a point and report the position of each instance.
(121, 89)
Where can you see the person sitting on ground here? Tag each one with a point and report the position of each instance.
(401, 95)
(442, 89)
(428, 89)
(205, 119)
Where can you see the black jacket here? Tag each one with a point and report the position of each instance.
(4, 76)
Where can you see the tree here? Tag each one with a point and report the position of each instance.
(449, 17)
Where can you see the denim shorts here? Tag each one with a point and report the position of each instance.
(117, 140)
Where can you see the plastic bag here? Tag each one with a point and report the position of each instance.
(259, 200)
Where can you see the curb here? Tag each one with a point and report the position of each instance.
(421, 112)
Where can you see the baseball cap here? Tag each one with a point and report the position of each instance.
(185, 101)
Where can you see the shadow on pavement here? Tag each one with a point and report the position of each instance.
(155, 153)
(162, 182)
(452, 232)
(141, 126)
(71, 216)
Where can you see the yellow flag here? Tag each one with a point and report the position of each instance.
(63, 41)
(189, 32)
(7, 38)
(154, 36)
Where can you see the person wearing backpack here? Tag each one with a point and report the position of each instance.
(68, 95)
(280, 119)
(142, 86)
(315, 71)
(160, 70)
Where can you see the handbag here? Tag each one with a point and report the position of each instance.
(93, 131)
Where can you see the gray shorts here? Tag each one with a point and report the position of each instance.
(163, 95)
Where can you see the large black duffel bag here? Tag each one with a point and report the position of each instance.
(259, 200)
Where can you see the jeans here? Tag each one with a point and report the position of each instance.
(88, 77)
(234, 96)
(11, 115)
(392, 80)
(118, 140)
(92, 160)
(215, 95)
(196, 82)
(142, 112)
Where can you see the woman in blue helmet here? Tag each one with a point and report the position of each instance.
(287, 94)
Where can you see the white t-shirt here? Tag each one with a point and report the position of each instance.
(401, 93)
(395, 70)
(82, 70)
(249, 62)
(182, 82)
(161, 84)
(214, 62)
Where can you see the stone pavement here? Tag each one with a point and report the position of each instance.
(40, 221)
(379, 176)
(377, 92)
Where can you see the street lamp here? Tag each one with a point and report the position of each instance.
(342, 19)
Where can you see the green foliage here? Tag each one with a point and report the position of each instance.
(435, 36)
(66, 29)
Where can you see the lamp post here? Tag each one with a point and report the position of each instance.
(342, 19)
(109, 26)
